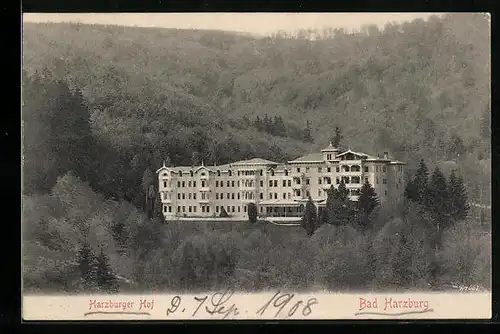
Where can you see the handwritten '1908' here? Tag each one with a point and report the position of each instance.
(218, 305)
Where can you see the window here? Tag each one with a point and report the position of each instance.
(164, 208)
(189, 208)
(307, 181)
(216, 195)
(216, 208)
(272, 172)
(260, 209)
(232, 196)
(216, 184)
(230, 173)
(376, 168)
(286, 172)
(228, 183)
(261, 196)
(245, 208)
(183, 208)
(270, 195)
(208, 209)
(178, 209)
(189, 195)
(218, 173)
(260, 172)
(385, 192)
(275, 183)
(328, 180)
(366, 179)
(178, 184)
(261, 183)
(180, 173)
(164, 174)
(377, 181)
(275, 195)
(202, 208)
(328, 169)
(355, 179)
(384, 181)
(298, 181)
(179, 196)
(194, 208)
(202, 184)
(337, 180)
(284, 195)
(189, 184)
(194, 183)
(191, 173)
(238, 183)
(298, 170)
(228, 196)
(170, 208)
(232, 183)
(384, 169)
(194, 196)
(232, 208)
(289, 183)
(319, 192)
(329, 157)
(203, 174)
(284, 183)
(338, 169)
(183, 184)
(366, 169)
(307, 193)
(228, 209)
(319, 169)
(238, 195)
(270, 183)
(319, 180)
(164, 184)
(221, 195)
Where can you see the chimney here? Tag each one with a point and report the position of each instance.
(386, 155)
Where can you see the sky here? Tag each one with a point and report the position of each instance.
(253, 23)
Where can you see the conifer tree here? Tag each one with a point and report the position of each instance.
(439, 203)
(105, 278)
(420, 183)
(252, 212)
(338, 206)
(368, 202)
(87, 262)
(459, 206)
(309, 217)
(337, 137)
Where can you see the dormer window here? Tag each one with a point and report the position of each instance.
(191, 173)
(218, 173)
(203, 174)
(230, 173)
(286, 172)
(180, 173)
(164, 174)
(272, 172)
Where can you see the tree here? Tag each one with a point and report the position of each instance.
(459, 206)
(307, 133)
(420, 182)
(148, 189)
(223, 213)
(411, 191)
(337, 138)
(439, 203)
(309, 217)
(456, 147)
(368, 202)
(87, 262)
(105, 278)
(252, 212)
(338, 208)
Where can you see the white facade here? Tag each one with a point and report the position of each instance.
(276, 189)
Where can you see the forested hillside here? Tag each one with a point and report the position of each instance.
(104, 105)
(419, 90)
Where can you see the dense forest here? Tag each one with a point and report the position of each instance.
(103, 106)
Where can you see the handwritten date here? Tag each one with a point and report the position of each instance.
(220, 304)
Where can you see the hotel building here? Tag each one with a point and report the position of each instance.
(278, 189)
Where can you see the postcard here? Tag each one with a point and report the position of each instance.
(263, 166)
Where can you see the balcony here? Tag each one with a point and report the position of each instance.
(203, 200)
(326, 186)
(205, 188)
(297, 186)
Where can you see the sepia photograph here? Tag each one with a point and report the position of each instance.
(222, 155)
